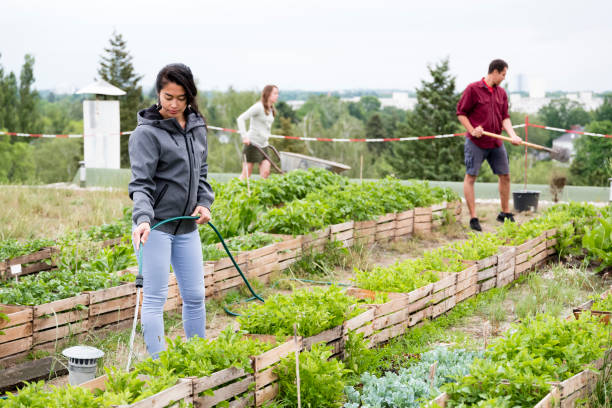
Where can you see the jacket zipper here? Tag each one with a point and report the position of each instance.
(187, 146)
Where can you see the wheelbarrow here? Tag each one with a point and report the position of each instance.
(293, 161)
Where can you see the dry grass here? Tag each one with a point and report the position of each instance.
(39, 212)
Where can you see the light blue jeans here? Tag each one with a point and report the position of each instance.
(184, 252)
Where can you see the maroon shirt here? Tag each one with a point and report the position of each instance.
(485, 106)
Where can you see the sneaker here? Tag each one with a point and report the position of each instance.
(502, 216)
(475, 224)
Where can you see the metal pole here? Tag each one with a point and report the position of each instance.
(526, 139)
(82, 174)
(610, 198)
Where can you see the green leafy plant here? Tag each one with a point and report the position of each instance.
(322, 379)
(313, 310)
(202, 357)
(519, 366)
(598, 243)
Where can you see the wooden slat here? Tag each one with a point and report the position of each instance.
(216, 379)
(61, 305)
(391, 306)
(112, 293)
(349, 225)
(422, 211)
(59, 332)
(225, 393)
(422, 219)
(181, 391)
(273, 356)
(17, 315)
(343, 236)
(385, 218)
(359, 320)
(486, 262)
(16, 346)
(392, 319)
(60, 319)
(111, 317)
(487, 273)
(405, 215)
(325, 336)
(391, 332)
(486, 285)
(261, 252)
(466, 293)
(266, 394)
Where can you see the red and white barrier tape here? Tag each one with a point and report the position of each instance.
(554, 129)
(308, 139)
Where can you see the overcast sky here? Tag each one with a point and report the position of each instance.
(315, 44)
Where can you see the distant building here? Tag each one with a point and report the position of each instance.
(399, 100)
(519, 103)
(567, 141)
(295, 105)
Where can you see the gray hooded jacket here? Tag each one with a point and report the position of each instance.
(169, 170)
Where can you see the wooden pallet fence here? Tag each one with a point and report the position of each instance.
(181, 392)
(315, 241)
(487, 272)
(422, 220)
(467, 283)
(225, 274)
(529, 254)
(333, 337)
(379, 322)
(344, 233)
(565, 394)
(266, 380)
(365, 232)
(112, 305)
(28, 264)
(551, 242)
(438, 214)
(239, 388)
(60, 319)
(385, 227)
(17, 337)
(262, 262)
(289, 251)
(443, 292)
(404, 224)
(506, 264)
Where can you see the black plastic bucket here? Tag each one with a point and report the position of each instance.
(526, 200)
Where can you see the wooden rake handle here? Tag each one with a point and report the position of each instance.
(524, 143)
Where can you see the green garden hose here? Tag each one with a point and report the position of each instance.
(140, 279)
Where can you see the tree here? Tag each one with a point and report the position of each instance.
(116, 68)
(9, 100)
(434, 113)
(27, 108)
(564, 114)
(375, 130)
(591, 166)
(370, 103)
(604, 112)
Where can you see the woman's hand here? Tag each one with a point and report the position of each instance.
(141, 234)
(204, 214)
(246, 141)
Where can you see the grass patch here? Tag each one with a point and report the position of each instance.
(39, 212)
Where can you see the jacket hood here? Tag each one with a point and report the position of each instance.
(151, 116)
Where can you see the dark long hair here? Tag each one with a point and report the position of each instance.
(180, 74)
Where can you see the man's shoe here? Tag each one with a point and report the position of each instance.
(475, 224)
(502, 216)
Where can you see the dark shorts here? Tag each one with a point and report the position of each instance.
(474, 156)
(254, 155)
